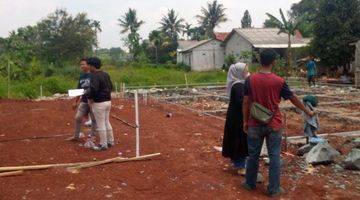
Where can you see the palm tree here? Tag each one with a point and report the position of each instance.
(187, 30)
(97, 28)
(286, 26)
(130, 24)
(212, 16)
(158, 40)
(172, 25)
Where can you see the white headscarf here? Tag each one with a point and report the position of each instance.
(235, 75)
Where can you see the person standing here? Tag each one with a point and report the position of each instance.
(234, 140)
(311, 72)
(99, 97)
(81, 102)
(266, 89)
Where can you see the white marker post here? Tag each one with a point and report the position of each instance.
(41, 91)
(137, 124)
(186, 81)
(116, 90)
(8, 81)
(145, 98)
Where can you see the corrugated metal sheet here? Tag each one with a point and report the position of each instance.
(194, 44)
(270, 38)
(185, 44)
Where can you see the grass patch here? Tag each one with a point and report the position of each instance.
(30, 89)
(148, 76)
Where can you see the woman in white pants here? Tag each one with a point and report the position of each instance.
(99, 96)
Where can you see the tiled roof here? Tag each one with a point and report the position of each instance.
(221, 35)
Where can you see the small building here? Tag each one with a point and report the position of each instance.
(210, 54)
(204, 55)
(240, 41)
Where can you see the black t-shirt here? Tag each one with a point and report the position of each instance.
(100, 87)
(84, 83)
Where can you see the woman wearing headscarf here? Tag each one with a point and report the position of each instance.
(235, 141)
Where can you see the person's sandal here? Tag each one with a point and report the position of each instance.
(276, 194)
(99, 148)
(247, 187)
(241, 172)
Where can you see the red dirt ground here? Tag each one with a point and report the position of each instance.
(189, 167)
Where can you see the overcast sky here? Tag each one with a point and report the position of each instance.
(17, 13)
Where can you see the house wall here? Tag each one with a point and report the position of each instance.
(357, 57)
(207, 57)
(236, 45)
(357, 65)
(179, 57)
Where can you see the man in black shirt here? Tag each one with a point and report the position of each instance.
(81, 102)
(99, 97)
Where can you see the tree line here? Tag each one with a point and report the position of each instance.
(61, 38)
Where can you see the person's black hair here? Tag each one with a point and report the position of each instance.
(94, 61)
(267, 56)
(84, 59)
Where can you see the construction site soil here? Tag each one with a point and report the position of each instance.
(189, 167)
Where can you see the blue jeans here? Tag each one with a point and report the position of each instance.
(255, 138)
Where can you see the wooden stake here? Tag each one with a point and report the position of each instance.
(14, 173)
(285, 132)
(8, 81)
(116, 90)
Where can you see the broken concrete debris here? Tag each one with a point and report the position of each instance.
(353, 160)
(322, 153)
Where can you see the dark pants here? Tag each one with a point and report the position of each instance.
(255, 138)
(311, 80)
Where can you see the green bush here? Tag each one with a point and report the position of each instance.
(27, 91)
(184, 67)
(56, 85)
(229, 60)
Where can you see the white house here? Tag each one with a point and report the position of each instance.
(205, 55)
(255, 39)
(210, 54)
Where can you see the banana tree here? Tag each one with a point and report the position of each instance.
(288, 27)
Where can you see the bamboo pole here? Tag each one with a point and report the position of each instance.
(38, 167)
(123, 121)
(13, 173)
(78, 164)
(116, 160)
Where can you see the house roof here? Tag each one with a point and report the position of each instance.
(191, 44)
(184, 44)
(221, 35)
(268, 38)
